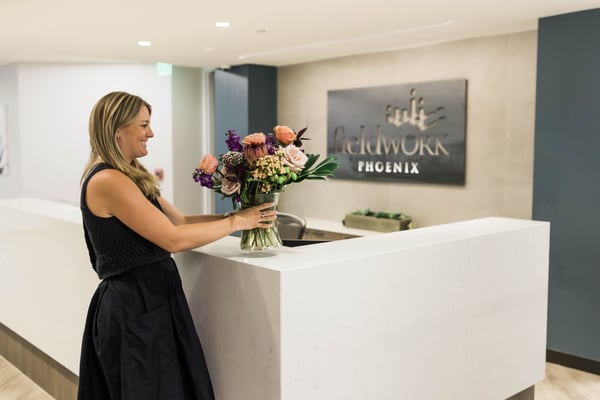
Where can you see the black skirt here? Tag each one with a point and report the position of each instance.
(140, 341)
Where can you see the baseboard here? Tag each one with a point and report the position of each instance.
(571, 361)
(527, 394)
(54, 378)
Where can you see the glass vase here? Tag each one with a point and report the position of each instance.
(260, 239)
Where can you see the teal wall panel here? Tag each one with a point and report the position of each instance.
(566, 188)
(245, 99)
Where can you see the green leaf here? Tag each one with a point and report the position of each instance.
(312, 158)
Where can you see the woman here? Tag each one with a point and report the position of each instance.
(139, 340)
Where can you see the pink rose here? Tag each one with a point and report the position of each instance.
(284, 134)
(230, 184)
(293, 157)
(208, 164)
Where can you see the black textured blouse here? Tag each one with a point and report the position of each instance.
(113, 247)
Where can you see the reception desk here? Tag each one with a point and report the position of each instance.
(454, 311)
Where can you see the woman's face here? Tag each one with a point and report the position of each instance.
(132, 138)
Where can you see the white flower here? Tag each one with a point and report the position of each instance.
(293, 157)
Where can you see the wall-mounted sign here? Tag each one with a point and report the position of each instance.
(409, 132)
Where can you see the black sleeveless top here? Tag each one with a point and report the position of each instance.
(113, 247)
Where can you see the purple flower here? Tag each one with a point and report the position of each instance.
(233, 141)
(272, 145)
(204, 179)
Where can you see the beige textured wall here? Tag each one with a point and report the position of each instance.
(501, 74)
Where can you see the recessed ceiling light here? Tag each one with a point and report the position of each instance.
(144, 43)
(222, 24)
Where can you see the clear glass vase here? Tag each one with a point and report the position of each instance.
(259, 239)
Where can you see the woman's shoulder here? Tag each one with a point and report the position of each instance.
(95, 169)
(109, 178)
(110, 189)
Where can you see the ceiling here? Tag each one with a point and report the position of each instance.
(267, 32)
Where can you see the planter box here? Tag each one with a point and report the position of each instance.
(375, 224)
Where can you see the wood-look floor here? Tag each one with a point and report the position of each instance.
(561, 383)
(564, 383)
(16, 386)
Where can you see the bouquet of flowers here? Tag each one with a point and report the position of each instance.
(261, 165)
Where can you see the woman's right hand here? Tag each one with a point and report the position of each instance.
(261, 216)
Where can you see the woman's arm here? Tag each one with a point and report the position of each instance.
(178, 218)
(111, 193)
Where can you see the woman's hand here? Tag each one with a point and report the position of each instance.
(261, 216)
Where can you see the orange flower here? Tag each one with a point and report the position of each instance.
(208, 164)
(284, 134)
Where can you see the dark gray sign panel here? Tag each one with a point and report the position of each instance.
(410, 132)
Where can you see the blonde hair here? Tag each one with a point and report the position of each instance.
(110, 113)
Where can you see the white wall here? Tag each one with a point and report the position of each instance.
(54, 102)
(49, 142)
(501, 72)
(192, 135)
(10, 185)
